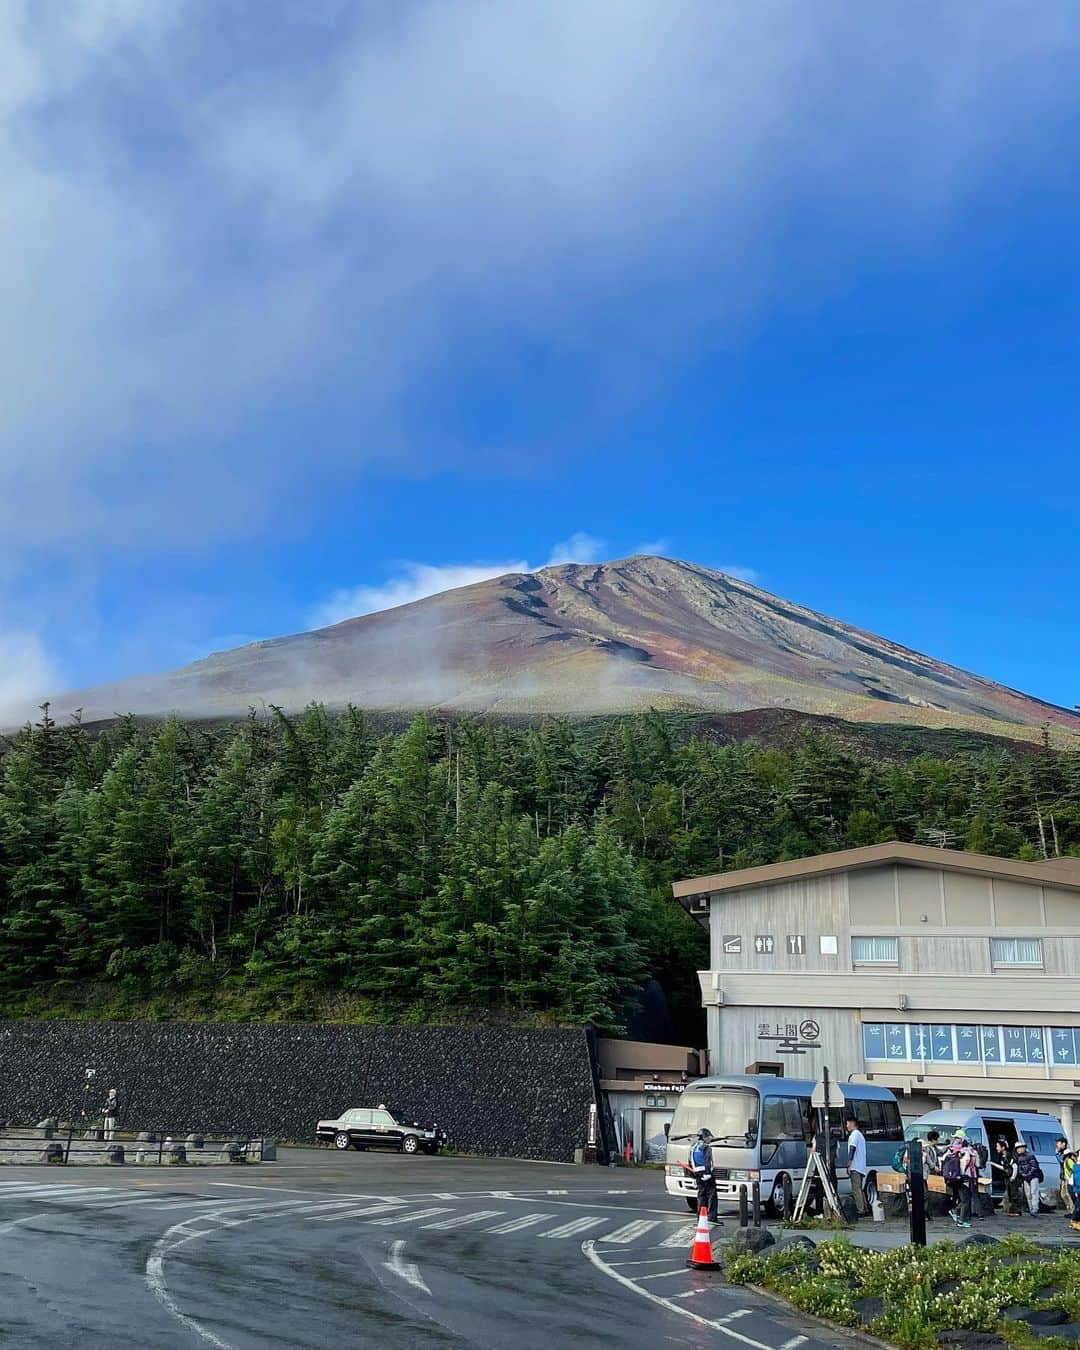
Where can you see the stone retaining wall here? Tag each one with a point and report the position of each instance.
(511, 1092)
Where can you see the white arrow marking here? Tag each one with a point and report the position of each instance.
(406, 1270)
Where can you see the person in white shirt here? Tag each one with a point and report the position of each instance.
(857, 1164)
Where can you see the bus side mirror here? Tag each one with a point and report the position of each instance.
(751, 1127)
(667, 1129)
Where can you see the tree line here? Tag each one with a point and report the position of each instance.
(453, 867)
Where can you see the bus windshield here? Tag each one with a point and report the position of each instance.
(729, 1112)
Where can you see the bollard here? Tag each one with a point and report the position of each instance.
(789, 1203)
(755, 1193)
(114, 1155)
(916, 1195)
(744, 1216)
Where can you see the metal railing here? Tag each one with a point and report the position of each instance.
(81, 1137)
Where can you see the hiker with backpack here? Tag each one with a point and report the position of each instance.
(1004, 1166)
(960, 1170)
(1031, 1176)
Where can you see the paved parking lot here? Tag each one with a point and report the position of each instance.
(325, 1248)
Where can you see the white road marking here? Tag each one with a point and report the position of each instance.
(443, 1195)
(369, 1209)
(155, 1279)
(630, 1231)
(574, 1227)
(413, 1216)
(59, 1192)
(795, 1340)
(516, 1225)
(682, 1237)
(462, 1219)
(663, 1274)
(718, 1324)
(405, 1270)
(652, 1261)
(693, 1293)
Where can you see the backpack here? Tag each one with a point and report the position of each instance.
(950, 1165)
(984, 1155)
(899, 1159)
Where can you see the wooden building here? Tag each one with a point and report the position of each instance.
(952, 978)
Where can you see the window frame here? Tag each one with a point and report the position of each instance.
(998, 964)
(875, 960)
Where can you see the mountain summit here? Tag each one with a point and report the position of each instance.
(589, 638)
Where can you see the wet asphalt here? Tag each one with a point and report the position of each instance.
(356, 1249)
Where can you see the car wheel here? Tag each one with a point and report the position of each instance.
(691, 1203)
(341, 1139)
(410, 1144)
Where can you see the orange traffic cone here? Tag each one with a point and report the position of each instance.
(701, 1257)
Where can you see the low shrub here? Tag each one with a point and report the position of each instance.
(925, 1290)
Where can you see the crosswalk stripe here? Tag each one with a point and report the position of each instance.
(516, 1225)
(629, 1231)
(57, 1192)
(575, 1226)
(369, 1209)
(413, 1217)
(462, 1219)
(680, 1238)
(663, 1274)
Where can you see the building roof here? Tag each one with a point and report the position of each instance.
(1059, 872)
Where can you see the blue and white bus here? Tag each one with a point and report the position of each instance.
(761, 1125)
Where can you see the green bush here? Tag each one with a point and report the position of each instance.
(828, 1280)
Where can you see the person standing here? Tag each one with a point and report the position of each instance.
(1003, 1171)
(1031, 1176)
(109, 1113)
(960, 1168)
(701, 1164)
(857, 1164)
(1074, 1193)
(1066, 1158)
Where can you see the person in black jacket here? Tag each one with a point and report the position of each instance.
(1030, 1174)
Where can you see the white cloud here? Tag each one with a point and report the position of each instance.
(579, 548)
(656, 548)
(740, 573)
(200, 230)
(27, 676)
(415, 580)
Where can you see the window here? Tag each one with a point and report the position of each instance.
(894, 1125)
(382, 1119)
(358, 1117)
(875, 950)
(1016, 951)
(782, 1119)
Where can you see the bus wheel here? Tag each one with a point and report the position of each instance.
(774, 1206)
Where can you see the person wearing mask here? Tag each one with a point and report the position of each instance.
(701, 1164)
(109, 1113)
(1030, 1175)
(960, 1169)
(856, 1141)
(1066, 1161)
(1003, 1172)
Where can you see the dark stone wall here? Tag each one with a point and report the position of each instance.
(513, 1092)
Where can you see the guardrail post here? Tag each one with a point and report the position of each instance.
(67, 1145)
(744, 1215)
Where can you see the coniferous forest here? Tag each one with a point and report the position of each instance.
(314, 866)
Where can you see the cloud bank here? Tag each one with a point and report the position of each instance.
(416, 580)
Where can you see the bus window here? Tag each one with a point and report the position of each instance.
(894, 1126)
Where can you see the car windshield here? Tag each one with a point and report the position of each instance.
(728, 1112)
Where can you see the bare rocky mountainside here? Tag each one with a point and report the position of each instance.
(585, 639)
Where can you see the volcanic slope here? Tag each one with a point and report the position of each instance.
(583, 639)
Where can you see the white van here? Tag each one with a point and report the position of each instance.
(984, 1126)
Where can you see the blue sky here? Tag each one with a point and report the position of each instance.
(312, 307)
